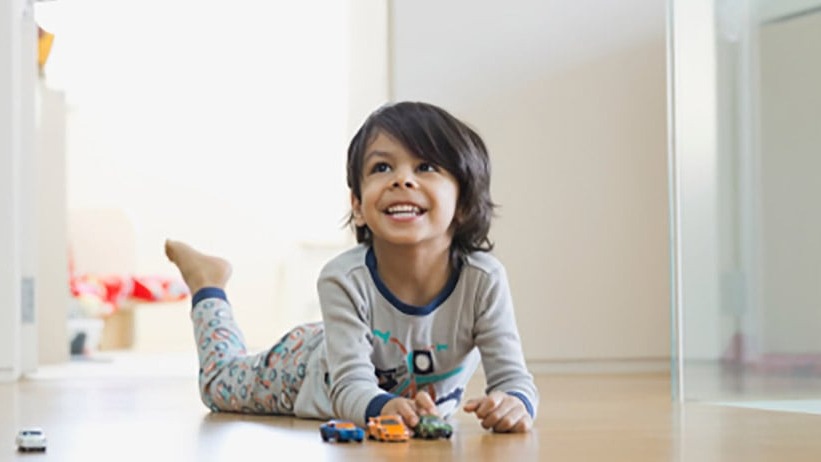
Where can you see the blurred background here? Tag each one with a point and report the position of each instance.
(227, 127)
(655, 166)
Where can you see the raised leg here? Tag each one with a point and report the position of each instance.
(230, 378)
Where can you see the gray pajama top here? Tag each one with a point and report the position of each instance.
(377, 347)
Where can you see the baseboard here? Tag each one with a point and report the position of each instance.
(607, 366)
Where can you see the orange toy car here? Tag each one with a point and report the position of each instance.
(387, 428)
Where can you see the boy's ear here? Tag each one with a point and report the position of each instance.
(356, 209)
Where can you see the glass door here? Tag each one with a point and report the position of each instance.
(745, 201)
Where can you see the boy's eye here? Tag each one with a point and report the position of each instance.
(426, 167)
(380, 167)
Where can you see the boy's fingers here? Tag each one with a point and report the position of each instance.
(524, 425)
(404, 408)
(504, 419)
(500, 412)
(472, 404)
(425, 404)
(488, 405)
(408, 413)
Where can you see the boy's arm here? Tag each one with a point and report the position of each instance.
(497, 336)
(354, 391)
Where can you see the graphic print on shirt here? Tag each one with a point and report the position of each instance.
(415, 369)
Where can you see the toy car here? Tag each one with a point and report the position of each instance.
(387, 428)
(431, 427)
(341, 431)
(31, 439)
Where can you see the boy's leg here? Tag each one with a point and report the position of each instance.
(230, 379)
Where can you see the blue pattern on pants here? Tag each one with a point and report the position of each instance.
(232, 380)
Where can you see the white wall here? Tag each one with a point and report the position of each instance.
(28, 175)
(774, 10)
(10, 155)
(791, 221)
(18, 329)
(51, 292)
(570, 97)
(368, 59)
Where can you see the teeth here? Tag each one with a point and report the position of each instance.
(404, 208)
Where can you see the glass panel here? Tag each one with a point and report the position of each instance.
(745, 194)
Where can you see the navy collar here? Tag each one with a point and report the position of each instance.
(370, 261)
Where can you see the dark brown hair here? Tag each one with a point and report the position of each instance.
(434, 135)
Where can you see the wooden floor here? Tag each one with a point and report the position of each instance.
(156, 415)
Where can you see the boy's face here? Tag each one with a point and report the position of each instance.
(405, 199)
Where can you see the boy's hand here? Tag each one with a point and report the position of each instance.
(411, 409)
(501, 412)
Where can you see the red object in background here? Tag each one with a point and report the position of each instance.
(158, 289)
(108, 292)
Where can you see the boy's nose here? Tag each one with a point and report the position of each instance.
(405, 183)
(404, 178)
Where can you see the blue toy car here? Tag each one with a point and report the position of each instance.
(341, 431)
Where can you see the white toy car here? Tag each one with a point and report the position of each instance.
(31, 439)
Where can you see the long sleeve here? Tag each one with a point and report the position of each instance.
(349, 345)
(497, 337)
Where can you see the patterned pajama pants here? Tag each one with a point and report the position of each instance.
(232, 380)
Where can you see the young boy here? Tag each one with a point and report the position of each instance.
(407, 314)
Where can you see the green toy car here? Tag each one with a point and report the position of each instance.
(431, 427)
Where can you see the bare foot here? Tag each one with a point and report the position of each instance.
(197, 269)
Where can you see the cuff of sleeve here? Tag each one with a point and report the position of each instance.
(375, 406)
(526, 402)
(208, 292)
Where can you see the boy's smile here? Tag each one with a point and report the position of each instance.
(405, 199)
(406, 211)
